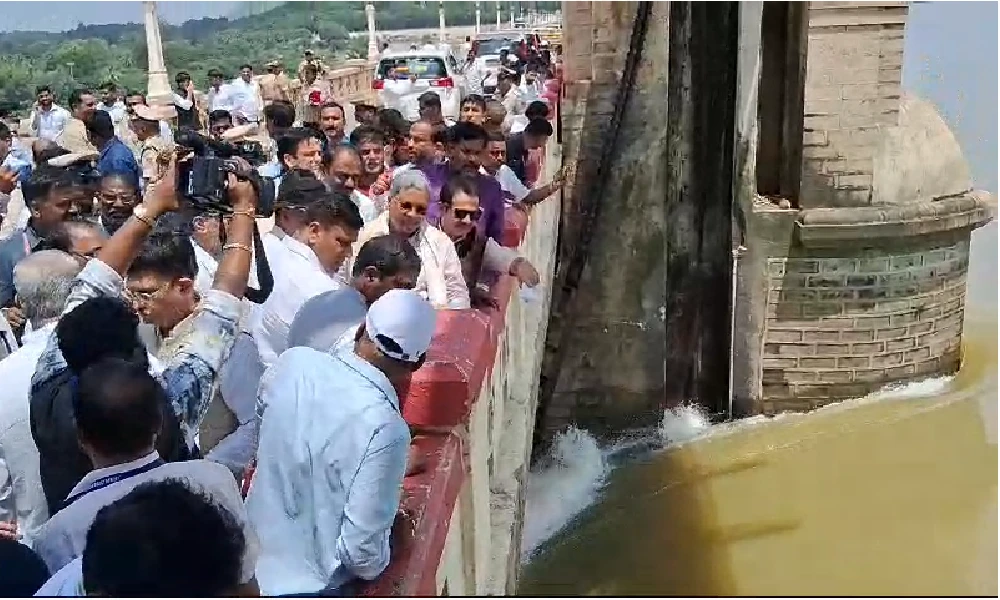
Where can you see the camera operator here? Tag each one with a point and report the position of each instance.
(96, 325)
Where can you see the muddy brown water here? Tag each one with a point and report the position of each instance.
(890, 495)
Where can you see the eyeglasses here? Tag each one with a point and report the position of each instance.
(111, 199)
(417, 208)
(462, 214)
(140, 297)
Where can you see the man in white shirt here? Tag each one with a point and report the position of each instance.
(48, 119)
(326, 489)
(218, 96)
(441, 280)
(318, 231)
(245, 97)
(43, 281)
(112, 104)
(117, 410)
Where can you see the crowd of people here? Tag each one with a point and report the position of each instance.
(201, 399)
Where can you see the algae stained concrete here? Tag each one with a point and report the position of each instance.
(635, 337)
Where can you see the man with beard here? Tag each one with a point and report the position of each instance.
(375, 179)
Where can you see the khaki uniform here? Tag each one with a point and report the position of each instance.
(275, 87)
(321, 67)
(152, 168)
(74, 138)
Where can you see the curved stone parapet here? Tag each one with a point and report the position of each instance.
(832, 226)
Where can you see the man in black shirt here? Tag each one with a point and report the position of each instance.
(534, 136)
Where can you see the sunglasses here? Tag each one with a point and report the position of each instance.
(462, 214)
(142, 297)
(125, 199)
(417, 208)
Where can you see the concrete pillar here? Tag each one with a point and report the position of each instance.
(372, 44)
(511, 14)
(498, 15)
(441, 27)
(158, 91)
(478, 18)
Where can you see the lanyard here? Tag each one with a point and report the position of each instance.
(107, 480)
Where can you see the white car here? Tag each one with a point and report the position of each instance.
(434, 70)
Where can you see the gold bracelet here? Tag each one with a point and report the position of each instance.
(245, 213)
(237, 246)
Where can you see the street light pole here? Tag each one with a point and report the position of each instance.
(498, 15)
(441, 25)
(478, 15)
(372, 44)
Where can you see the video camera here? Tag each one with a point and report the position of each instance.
(201, 179)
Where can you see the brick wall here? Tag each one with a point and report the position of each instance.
(852, 91)
(842, 326)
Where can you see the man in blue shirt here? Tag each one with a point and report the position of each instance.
(12, 156)
(115, 158)
(332, 453)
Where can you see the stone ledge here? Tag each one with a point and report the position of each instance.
(828, 226)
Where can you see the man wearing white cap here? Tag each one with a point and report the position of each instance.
(332, 453)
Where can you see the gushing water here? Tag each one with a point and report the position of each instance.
(573, 475)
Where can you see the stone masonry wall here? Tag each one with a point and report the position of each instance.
(852, 91)
(843, 325)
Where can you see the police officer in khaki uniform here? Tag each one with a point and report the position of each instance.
(275, 85)
(311, 59)
(153, 148)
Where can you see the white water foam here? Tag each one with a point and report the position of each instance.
(573, 474)
(577, 467)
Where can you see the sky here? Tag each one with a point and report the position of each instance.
(60, 16)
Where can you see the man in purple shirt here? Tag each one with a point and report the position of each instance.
(466, 145)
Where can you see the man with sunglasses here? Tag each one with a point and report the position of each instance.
(343, 460)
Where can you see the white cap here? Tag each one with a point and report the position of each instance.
(405, 319)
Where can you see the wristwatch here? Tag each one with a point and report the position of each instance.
(141, 212)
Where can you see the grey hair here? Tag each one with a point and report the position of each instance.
(410, 179)
(42, 281)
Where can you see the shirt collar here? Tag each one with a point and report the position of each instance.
(36, 335)
(97, 474)
(368, 371)
(302, 250)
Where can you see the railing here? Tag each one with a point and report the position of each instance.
(480, 382)
(352, 81)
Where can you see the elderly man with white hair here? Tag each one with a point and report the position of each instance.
(42, 281)
(441, 280)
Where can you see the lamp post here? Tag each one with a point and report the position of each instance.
(441, 26)
(498, 15)
(158, 92)
(478, 15)
(372, 44)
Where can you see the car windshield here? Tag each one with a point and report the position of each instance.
(424, 67)
(492, 62)
(494, 45)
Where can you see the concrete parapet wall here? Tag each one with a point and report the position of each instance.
(479, 388)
